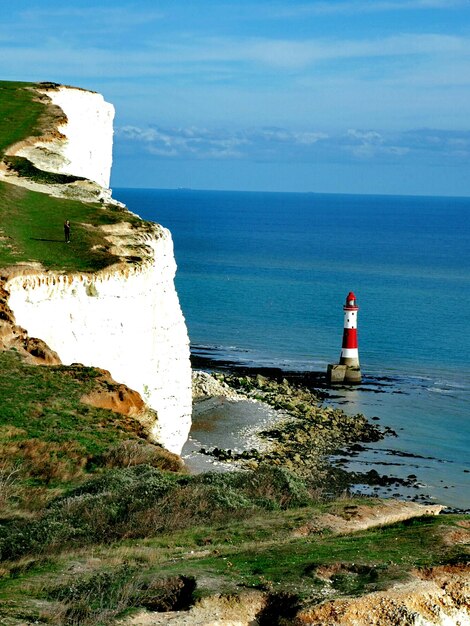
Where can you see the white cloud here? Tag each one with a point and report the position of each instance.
(228, 59)
(369, 136)
(185, 142)
(280, 135)
(282, 144)
(371, 144)
(299, 54)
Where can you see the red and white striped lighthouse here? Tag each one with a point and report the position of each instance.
(349, 351)
(348, 369)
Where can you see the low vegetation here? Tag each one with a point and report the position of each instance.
(49, 439)
(238, 548)
(96, 521)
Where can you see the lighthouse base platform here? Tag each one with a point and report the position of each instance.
(343, 374)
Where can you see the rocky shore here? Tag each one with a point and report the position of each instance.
(306, 433)
(308, 437)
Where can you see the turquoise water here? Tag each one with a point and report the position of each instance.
(262, 279)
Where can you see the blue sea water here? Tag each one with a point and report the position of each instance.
(262, 278)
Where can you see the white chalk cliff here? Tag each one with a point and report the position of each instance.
(85, 147)
(126, 318)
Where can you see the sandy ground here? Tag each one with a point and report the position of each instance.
(437, 596)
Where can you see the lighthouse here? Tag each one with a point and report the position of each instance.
(349, 351)
(348, 370)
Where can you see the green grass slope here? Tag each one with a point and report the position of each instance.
(93, 524)
(32, 231)
(22, 113)
(50, 439)
(141, 538)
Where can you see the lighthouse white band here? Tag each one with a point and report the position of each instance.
(350, 353)
(350, 319)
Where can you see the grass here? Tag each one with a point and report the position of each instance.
(256, 552)
(32, 228)
(45, 403)
(22, 113)
(294, 564)
(48, 437)
(396, 548)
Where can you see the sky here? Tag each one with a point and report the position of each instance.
(335, 96)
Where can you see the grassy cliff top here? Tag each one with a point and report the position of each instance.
(22, 113)
(31, 220)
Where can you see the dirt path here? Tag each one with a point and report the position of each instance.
(362, 517)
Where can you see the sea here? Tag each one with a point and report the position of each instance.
(262, 279)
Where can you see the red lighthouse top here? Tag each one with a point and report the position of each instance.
(351, 304)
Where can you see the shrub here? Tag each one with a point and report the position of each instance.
(95, 599)
(168, 594)
(200, 504)
(276, 485)
(102, 596)
(267, 487)
(141, 501)
(8, 478)
(100, 510)
(136, 452)
(121, 482)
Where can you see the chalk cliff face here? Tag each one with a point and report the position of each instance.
(84, 141)
(126, 318)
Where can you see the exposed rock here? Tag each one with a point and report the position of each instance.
(435, 597)
(439, 596)
(109, 394)
(207, 385)
(305, 433)
(218, 610)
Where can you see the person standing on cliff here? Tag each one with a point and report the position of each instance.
(67, 231)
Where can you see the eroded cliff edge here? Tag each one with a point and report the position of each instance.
(125, 316)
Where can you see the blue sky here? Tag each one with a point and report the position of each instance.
(365, 96)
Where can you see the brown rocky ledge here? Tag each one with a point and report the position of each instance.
(114, 396)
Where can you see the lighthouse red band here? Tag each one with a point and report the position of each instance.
(349, 351)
